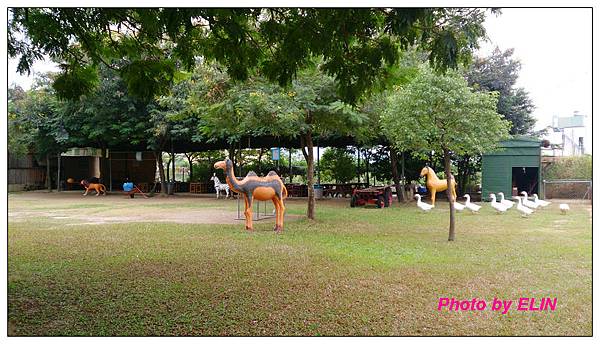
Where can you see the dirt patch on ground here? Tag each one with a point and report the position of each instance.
(75, 209)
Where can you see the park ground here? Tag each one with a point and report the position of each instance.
(183, 265)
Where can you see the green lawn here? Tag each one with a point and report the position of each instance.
(352, 272)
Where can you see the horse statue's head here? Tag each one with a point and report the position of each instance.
(425, 171)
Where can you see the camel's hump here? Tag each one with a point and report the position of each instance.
(272, 173)
(252, 174)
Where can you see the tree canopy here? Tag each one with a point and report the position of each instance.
(148, 46)
(338, 165)
(441, 113)
(35, 121)
(310, 108)
(499, 72)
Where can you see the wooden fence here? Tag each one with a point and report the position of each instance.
(25, 173)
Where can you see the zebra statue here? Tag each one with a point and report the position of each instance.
(219, 186)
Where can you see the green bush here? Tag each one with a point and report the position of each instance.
(337, 165)
(573, 167)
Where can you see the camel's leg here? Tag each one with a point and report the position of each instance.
(433, 192)
(246, 209)
(277, 212)
(248, 212)
(281, 213)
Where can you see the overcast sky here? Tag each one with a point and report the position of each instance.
(553, 45)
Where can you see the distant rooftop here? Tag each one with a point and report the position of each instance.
(577, 120)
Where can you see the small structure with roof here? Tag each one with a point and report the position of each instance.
(514, 167)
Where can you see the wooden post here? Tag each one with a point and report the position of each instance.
(318, 167)
(240, 158)
(110, 186)
(172, 159)
(367, 166)
(290, 163)
(173, 165)
(58, 174)
(48, 183)
(358, 165)
(402, 164)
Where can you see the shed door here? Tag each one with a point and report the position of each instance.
(525, 179)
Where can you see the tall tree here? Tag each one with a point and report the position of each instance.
(36, 123)
(441, 113)
(108, 117)
(310, 108)
(499, 72)
(147, 45)
(338, 165)
(18, 137)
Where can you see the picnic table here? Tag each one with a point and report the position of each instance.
(332, 190)
(297, 190)
(341, 190)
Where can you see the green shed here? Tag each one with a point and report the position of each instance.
(515, 164)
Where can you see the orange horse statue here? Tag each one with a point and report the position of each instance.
(434, 184)
(260, 188)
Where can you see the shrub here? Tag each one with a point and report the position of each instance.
(573, 167)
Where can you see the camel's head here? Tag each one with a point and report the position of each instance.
(425, 171)
(221, 164)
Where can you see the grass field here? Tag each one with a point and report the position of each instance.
(351, 272)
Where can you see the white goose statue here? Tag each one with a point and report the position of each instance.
(523, 209)
(422, 205)
(499, 207)
(540, 202)
(527, 202)
(506, 202)
(474, 208)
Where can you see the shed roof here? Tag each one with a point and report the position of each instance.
(182, 146)
(518, 145)
(521, 141)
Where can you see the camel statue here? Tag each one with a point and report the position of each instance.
(434, 184)
(254, 187)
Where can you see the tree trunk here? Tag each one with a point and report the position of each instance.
(462, 173)
(395, 176)
(168, 168)
(232, 155)
(189, 158)
(449, 193)
(161, 172)
(367, 156)
(307, 151)
(48, 172)
(260, 155)
(173, 160)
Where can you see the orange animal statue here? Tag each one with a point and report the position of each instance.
(260, 188)
(434, 184)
